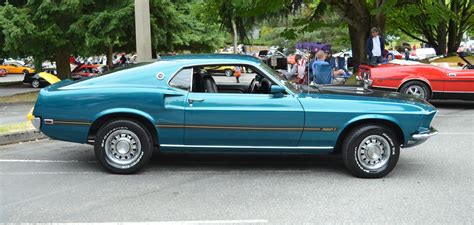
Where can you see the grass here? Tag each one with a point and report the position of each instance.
(351, 81)
(29, 97)
(15, 127)
(454, 59)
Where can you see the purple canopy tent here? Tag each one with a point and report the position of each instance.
(313, 46)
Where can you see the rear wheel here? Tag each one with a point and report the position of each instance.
(123, 146)
(417, 89)
(35, 83)
(370, 151)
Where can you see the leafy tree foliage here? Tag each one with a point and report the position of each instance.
(439, 23)
(56, 29)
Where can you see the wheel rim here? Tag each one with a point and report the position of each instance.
(373, 152)
(123, 148)
(416, 91)
(35, 83)
(228, 73)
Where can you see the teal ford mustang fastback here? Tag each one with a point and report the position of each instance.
(176, 105)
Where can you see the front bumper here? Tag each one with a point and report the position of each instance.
(421, 137)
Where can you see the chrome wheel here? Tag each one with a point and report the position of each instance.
(123, 148)
(416, 90)
(35, 83)
(373, 152)
(228, 72)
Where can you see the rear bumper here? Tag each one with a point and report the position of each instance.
(421, 137)
(36, 121)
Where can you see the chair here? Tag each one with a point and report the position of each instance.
(322, 73)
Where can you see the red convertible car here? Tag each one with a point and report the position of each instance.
(422, 80)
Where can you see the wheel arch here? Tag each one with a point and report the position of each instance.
(140, 117)
(387, 122)
(422, 80)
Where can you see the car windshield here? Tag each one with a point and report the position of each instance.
(293, 87)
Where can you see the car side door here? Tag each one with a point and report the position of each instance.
(461, 81)
(262, 121)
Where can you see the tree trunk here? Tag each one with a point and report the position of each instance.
(441, 49)
(234, 29)
(62, 63)
(110, 62)
(358, 42)
(453, 30)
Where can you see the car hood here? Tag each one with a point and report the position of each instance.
(359, 93)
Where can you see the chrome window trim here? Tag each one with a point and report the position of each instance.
(224, 64)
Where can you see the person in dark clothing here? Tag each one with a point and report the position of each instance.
(375, 46)
(123, 59)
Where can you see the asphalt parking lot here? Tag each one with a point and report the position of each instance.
(52, 181)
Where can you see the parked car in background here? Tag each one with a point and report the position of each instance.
(227, 70)
(3, 72)
(39, 80)
(421, 80)
(88, 70)
(14, 68)
(175, 105)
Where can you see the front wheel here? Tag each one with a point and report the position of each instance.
(228, 72)
(370, 151)
(417, 89)
(123, 146)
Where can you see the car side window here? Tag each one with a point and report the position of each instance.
(182, 80)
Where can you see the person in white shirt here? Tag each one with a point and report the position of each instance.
(375, 46)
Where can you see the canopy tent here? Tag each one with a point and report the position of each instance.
(313, 46)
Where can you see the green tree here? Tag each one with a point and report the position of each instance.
(111, 27)
(49, 29)
(439, 23)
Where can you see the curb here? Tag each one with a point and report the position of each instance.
(22, 136)
(4, 84)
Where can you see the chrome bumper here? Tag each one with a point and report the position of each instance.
(419, 138)
(36, 121)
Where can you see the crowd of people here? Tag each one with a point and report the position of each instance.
(320, 67)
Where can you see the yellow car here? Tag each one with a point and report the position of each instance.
(227, 70)
(16, 68)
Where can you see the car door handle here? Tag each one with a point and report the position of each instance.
(452, 74)
(193, 100)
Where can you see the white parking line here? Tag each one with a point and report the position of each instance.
(184, 222)
(44, 161)
(458, 115)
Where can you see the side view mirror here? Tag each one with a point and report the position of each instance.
(277, 89)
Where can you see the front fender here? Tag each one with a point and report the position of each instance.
(388, 118)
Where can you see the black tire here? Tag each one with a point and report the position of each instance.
(35, 83)
(108, 155)
(416, 85)
(355, 148)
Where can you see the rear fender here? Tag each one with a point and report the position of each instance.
(125, 110)
(414, 78)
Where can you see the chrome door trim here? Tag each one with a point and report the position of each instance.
(251, 147)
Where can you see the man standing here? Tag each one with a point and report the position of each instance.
(375, 46)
